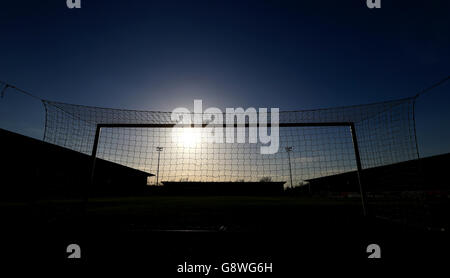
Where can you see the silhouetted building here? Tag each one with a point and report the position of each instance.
(430, 173)
(35, 169)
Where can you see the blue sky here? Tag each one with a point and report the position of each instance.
(158, 55)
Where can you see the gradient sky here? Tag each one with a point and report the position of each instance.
(158, 55)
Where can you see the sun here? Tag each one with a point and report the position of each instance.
(189, 137)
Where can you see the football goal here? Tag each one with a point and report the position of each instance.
(326, 149)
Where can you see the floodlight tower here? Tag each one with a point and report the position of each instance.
(289, 150)
(159, 150)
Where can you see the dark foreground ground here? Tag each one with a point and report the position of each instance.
(162, 232)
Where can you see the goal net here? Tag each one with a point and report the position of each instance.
(313, 150)
(385, 132)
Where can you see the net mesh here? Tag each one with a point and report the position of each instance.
(385, 133)
(320, 156)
